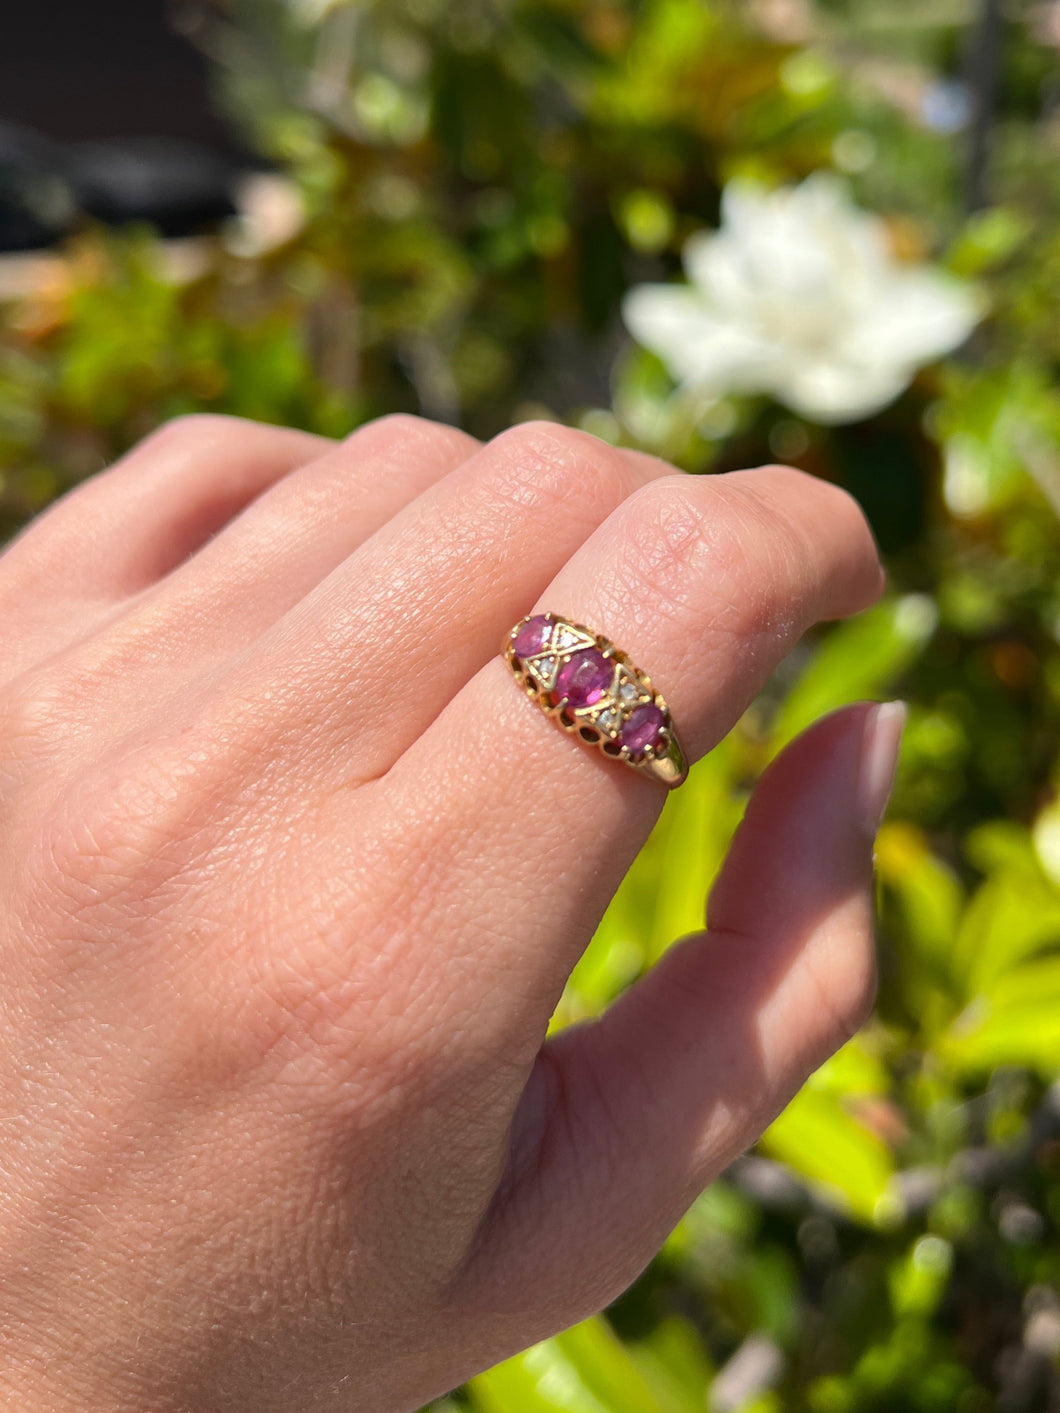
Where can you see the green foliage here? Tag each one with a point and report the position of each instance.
(482, 182)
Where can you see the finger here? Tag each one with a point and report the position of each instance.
(128, 526)
(707, 583)
(288, 539)
(251, 572)
(626, 1119)
(294, 534)
(366, 660)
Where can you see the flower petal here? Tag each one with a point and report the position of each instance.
(798, 295)
(808, 242)
(676, 324)
(918, 315)
(831, 392)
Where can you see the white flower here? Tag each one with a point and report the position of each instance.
(799, 296)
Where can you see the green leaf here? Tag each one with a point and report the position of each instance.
(689, 847)
(674, 1363)
(929, 892)
(1016, 1021)
(988, 240)
(860, 659)
(1012, 916)
(664, 895)
(818, 1138)
(918, 1283)
(995, 428)
(586, 1369)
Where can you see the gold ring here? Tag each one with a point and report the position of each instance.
(592, 690)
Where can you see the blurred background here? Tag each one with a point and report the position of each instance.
(317, 211)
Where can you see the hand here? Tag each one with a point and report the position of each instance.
(294, 877)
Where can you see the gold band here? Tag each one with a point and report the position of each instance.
(592, 690)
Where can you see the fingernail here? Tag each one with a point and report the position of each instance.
(879, 760)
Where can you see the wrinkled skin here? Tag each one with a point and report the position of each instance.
(294, 876)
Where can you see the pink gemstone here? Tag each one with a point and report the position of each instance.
(532, 636)
(642, 729)
(583, 678)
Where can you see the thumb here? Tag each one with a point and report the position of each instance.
(628, 1117)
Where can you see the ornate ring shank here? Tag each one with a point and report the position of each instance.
(592, 690)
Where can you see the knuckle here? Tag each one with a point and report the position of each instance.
(29, 707)
(776, 473)
(722, 541)
(755, 500)
(32, 552)
(768, 550)
(51, 709)
(807, 486)
(826, 507)
(545, 467)
(669, 539)
(403, 426)
(107, 842)
(192, 429)
(405, 433)
(400, 423)
(125, 832)
(168, 810)
(34, 716)
(175, 441)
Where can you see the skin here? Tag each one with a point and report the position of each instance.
(294, 877)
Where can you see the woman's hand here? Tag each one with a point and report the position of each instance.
(293, 877)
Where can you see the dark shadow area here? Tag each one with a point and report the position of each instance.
(79, 70)
(105, 113)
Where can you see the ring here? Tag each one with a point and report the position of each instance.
(592, 690)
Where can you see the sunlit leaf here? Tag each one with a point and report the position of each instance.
(674, 1364)
(584, 1370)
(862, 658)
(664, 895)
(1013, 1020)
(1011, 916)
(826, 1146)
(929, 892)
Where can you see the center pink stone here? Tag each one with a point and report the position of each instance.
(583, 678)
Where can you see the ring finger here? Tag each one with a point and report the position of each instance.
(707, 583)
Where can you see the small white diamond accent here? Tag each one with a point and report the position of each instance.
(609, 719)
(566, 638)
(544, 669)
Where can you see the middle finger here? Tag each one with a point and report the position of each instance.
(367, 659)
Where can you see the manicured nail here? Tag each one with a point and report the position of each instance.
(879, 760)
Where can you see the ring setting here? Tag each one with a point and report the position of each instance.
(590, 688)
